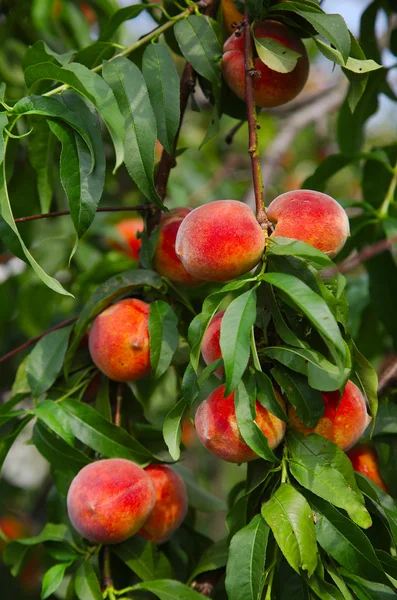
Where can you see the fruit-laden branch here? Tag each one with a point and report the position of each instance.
(62, 213)
(299, 119)
(36, 339)
(253, 125)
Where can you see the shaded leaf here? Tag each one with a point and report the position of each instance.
(200, 45)
(164, 336)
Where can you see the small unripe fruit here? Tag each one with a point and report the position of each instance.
(211, 347)
(271, 88)
(345, 418)
(220, 241)
(129, 230)
(119, 340)
(364, 460)
(109, 500)
(171, 504)
(310, 217)
(217, 429)
(165, 260)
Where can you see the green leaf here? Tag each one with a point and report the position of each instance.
(386, 419)
(118, 18)
(51, 414)
(7, 441)
(144, 559)
(111, 290)
(290, 518)
(200, 46)
(309, 403)
(162, 82)
(53, 579)
(275, 55)
(58, 453)
(39, 52)
(266, 396)
(244, 403)
(83, 185)
(245, 577)
(283, 330)
(345, 542)
(164, 336)
(355, 65)
(368, 379)
(86, 583)
(283, 246)
(323, 589)
(20, 388)
(91, 86)
(90, 428)
(199, 499)
(313, 307)
(332, 27)
(367, 590)
(132, 96)
(214, 557)
(322, 375)
(236, 327)
(41, 145)
(172, 428)
(93, 55)
(324, 469)
(46, 360)
(3, 123)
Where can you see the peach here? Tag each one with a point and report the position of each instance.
(171, 504)
(310, 217)
(231, 15)
(210, 347)
(165, 260)
(119, 340)
(109, 500)
(345, 418)
(220, 241)
(365, 460)
(271, 88)
(12, 528)
(128, 230)
(217, 429)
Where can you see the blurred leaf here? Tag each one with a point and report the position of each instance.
(386, 419)
(235, 333)
(266, 396)
(100, 435)
(245, 577)
(164, 336)
(244, 403)
(309, 403)
(111, 290)
(200, 46)
(168, 589)
(144, 559)
(162, 81)
(324, 469)
(214, 557)
(132, 96)
(275, 55)
(46, 360)
(53, 578)
(290, 518)
(199, 499)
(367, 590)
(118, 18)
(86, 583)
(172, 428)
(368, 379)
(3, 123)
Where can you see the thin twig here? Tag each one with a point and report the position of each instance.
(119, 403)
(36, 339)
(387, 377)
(107, 574)
(230, 136)
(62, 213)
(253, 125)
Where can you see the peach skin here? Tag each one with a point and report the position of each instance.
(231, 15)
(128, 229)
(119, 340)
(365, 460)
(171, 504)
(345, 418)
(310, 217)
(165, 260)
(220, 241)
(217, 429)
(109, 500)
(271, 88)
(210, 347)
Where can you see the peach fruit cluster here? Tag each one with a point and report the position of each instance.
(113, 499)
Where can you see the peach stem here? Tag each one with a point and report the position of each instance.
(253, 149)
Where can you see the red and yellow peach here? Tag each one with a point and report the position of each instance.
(129, 230)
(365, 460)
(211, 347)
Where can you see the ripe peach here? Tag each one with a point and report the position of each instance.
(217, 429)
(128, 229)
(12, 528)
(345, 418)
(271, 88)
(188, 433)
(119, 340)
(220, 241)
(109, 500)
(365, 460)
(171, 504)
(210, 347)
(231, 15)
(165, 260)
(310, 217)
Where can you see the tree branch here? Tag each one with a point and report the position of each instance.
(36, 339)
(387, 377)
(253, 125)
(62, 213)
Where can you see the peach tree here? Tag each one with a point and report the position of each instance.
(231, 319)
